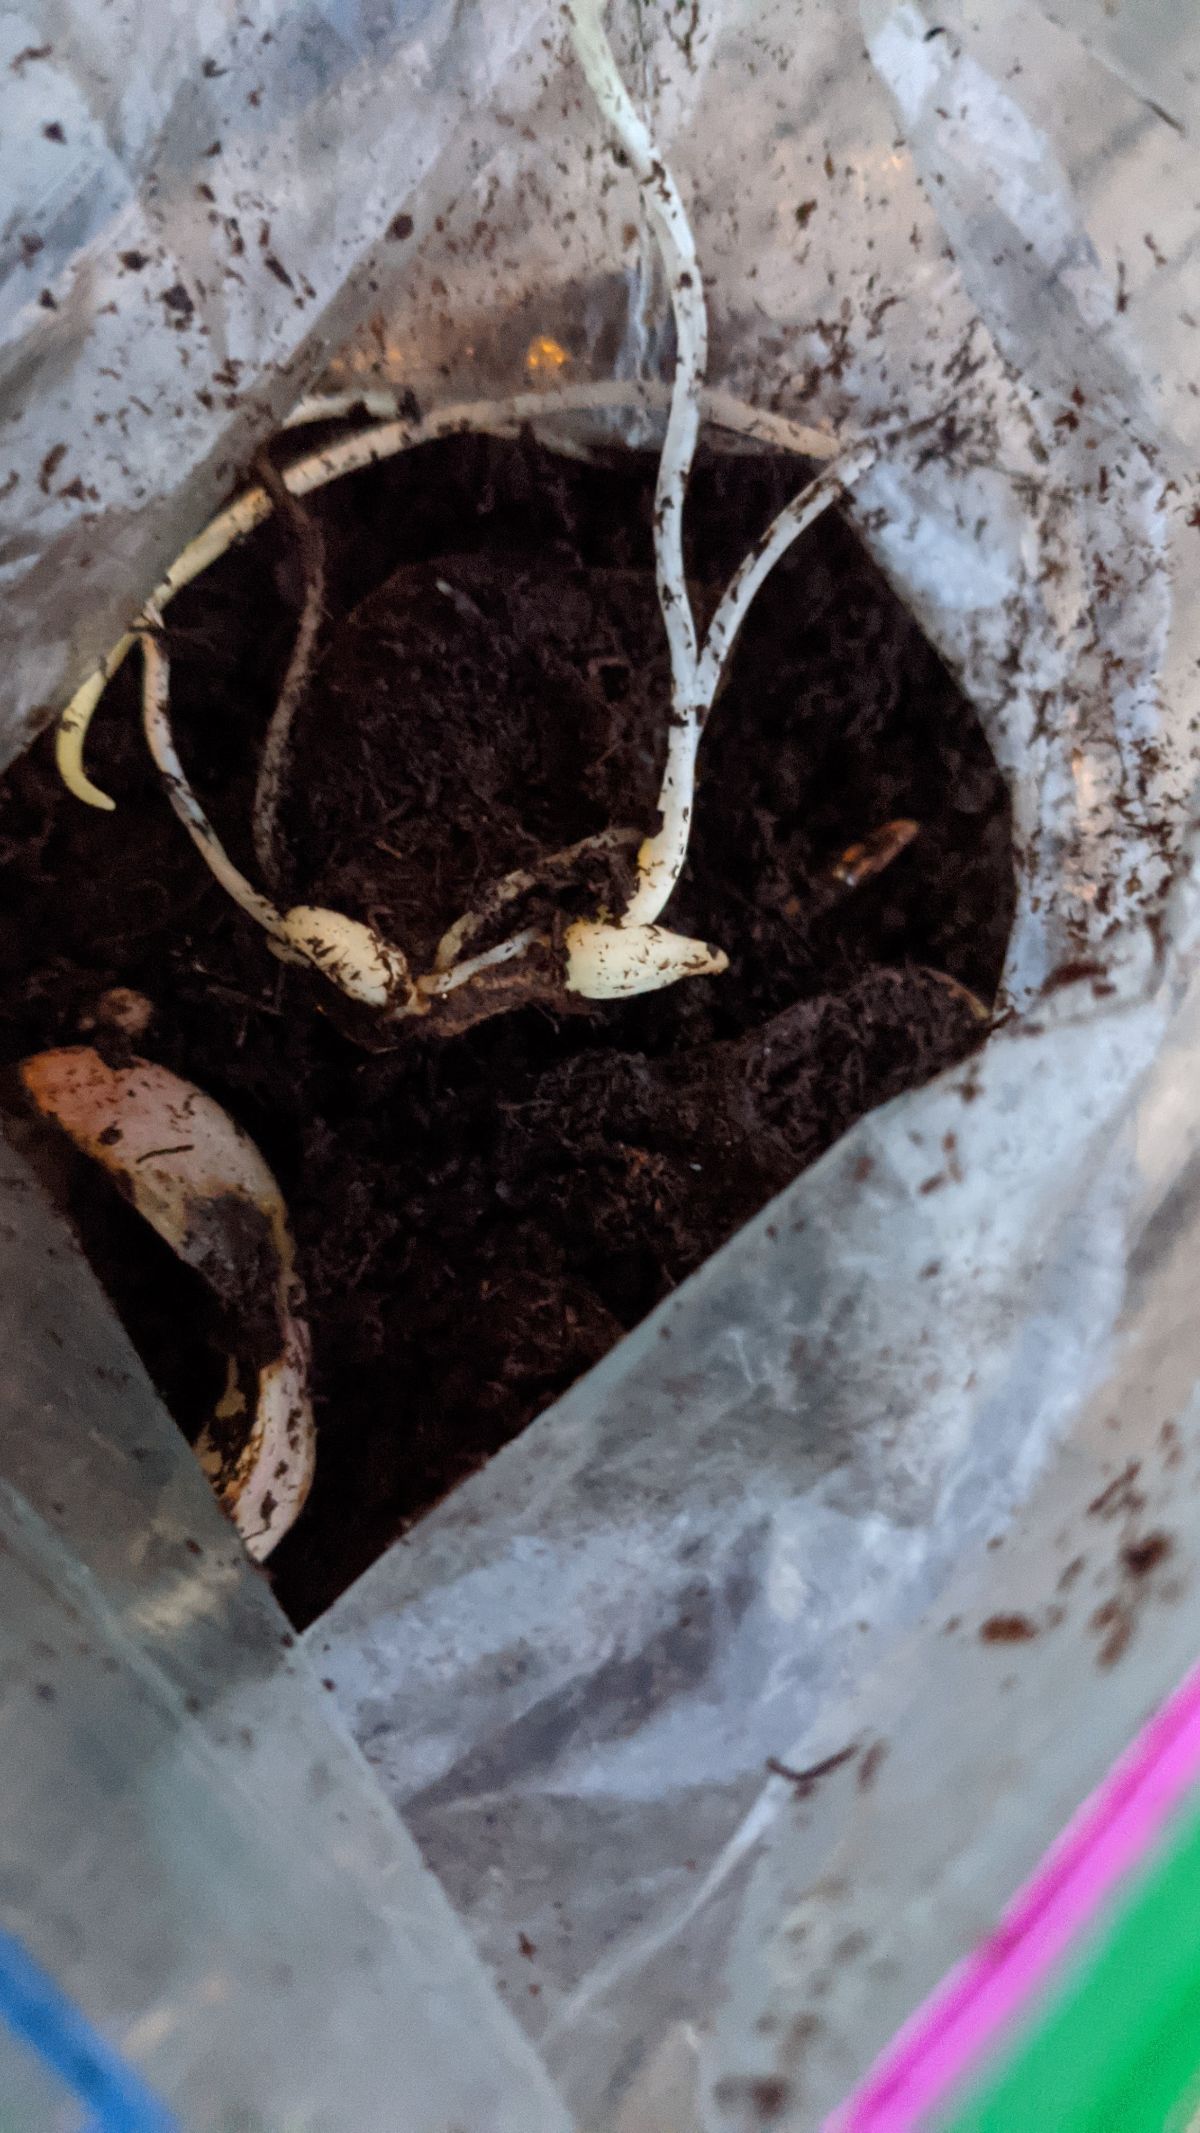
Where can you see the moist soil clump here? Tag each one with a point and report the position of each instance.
(480, 1217)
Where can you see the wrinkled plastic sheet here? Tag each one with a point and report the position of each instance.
(195, 204)
(189, 1845)
(715, 1549)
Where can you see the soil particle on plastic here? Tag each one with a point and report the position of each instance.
(1120, 1497)
(871, 1764)
(1116, 1619)
(479, 1219)
(760, 2098)
(1007, 1629)
(1140, 1557)
(804, 1782)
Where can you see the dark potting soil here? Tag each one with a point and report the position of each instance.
(480, 1217)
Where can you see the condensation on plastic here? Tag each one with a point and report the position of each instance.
(188, 1844)
(571, 1676)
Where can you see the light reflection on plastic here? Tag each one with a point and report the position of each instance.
(545, 354)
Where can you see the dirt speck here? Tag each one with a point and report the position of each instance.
(804, 1782)
(1007, 1629)
(1114, 1623)
(1140, 1557)
(871, 1764)
(763, 2096)
(50, 466)
(1120, 1496)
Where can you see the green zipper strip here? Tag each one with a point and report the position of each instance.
(1118, 2048)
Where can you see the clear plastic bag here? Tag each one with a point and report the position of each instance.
(570, 1677)
(190, 1848)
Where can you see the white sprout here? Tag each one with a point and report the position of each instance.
(604, 959)
(695, 674)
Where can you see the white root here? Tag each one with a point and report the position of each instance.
(791, 522)
(351, 954)
(590, 396)
(74, 723)
(188, 1170)
(309, 545)
(667, 216)
(440, 982)
(518, 883)
(156, 724)
(464, 929)
(229, 526)
(368, 447)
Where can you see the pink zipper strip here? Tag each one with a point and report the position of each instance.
(1111, 1833)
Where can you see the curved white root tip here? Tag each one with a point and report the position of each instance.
(198, 1179)
(73, 729)
(351, 954)
(264, 1489)
(615, 962)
